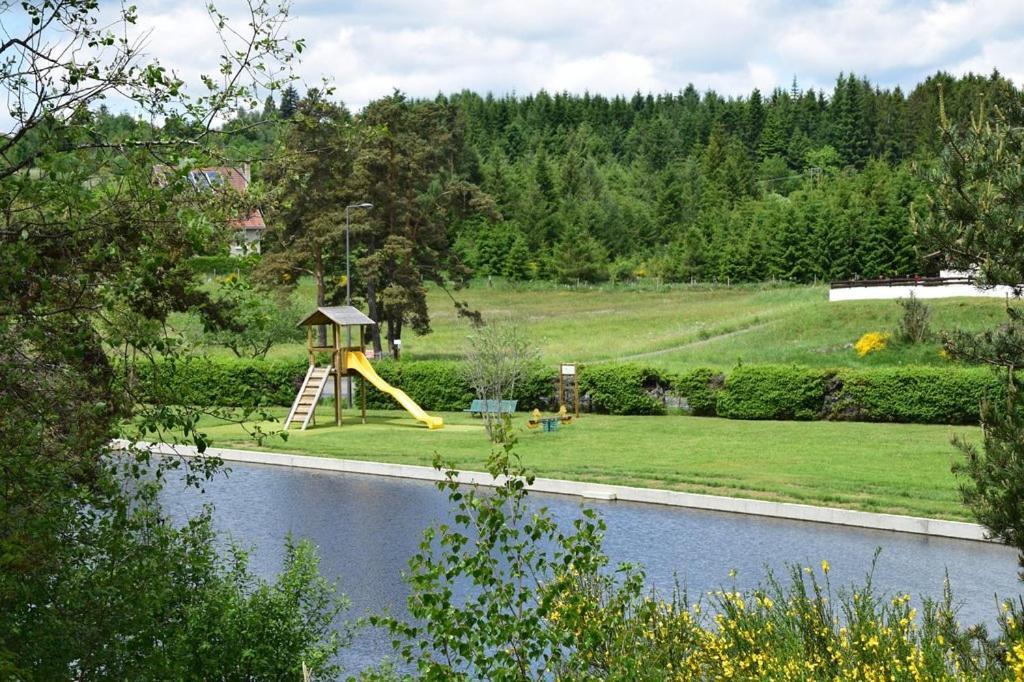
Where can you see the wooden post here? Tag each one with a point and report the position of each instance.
(337, 374)
(362, 380)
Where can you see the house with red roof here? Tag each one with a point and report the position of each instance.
(249, 229)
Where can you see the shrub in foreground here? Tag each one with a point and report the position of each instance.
(224, 383)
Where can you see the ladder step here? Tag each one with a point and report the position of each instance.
(304, 407)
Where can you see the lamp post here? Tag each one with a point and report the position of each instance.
(348, 288)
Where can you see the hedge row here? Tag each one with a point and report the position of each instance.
(920, 395)
(927, 395)
(229, 383)
(434, 384)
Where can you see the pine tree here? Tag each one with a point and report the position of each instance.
(775, 135)
(269, 107)
(579, 257)
(517, 261)
(754, 121)
(289, 102)
(848, 122)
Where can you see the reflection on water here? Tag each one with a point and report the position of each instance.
(367, 527)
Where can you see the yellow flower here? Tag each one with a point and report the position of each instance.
(871, 342)
(824, 566)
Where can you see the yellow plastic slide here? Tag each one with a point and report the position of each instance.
(359, 363)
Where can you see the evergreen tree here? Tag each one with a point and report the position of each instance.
(578, 257)
(269, 107)
(775, 135)
(848, 132)
(517, 260)
(754, 121)
(289, 102)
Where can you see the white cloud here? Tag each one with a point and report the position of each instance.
(614, 46)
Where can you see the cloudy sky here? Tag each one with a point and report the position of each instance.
(616, 46)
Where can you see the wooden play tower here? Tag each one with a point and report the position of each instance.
(345, 360)
(317, 376)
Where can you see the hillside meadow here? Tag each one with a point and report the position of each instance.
(678, 326)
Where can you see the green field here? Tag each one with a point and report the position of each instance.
(683, 326)
(895, 468)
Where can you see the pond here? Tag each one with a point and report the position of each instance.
(367, 527)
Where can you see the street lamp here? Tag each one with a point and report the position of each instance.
(348, 288)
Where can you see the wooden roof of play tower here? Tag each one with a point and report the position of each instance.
(342, 315)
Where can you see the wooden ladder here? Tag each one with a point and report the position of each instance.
(305, 402)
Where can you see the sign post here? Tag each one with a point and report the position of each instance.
(568, 387)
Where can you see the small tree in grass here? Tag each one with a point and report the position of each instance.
(254, 321)
(914, 320)
(497, 360)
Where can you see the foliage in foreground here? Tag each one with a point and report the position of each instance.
(126, 593)
(96, 233)
(503, 593)
(973, 216)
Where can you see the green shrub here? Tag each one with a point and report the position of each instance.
(700, 388)
(920, 395)
(223, 265)
(538, 389)
(923, 395)
(624, 389)
(224, 383)
(442, 386)
(772, 392)
(434, 384)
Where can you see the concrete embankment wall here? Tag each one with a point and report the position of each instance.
(782, 510)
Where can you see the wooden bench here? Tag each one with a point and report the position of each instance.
(492, 406)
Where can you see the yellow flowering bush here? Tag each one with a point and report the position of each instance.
(872, 342)
(799, 630)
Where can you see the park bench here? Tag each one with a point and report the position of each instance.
(492, 406)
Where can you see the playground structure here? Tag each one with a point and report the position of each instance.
(549, 423)
(345, 360)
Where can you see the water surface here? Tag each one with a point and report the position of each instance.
(367, 527)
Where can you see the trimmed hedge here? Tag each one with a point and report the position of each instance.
(224, 383)
(923, 395)
(700, 388)
(920, 395)
(434, 385)
(771, 392)
(624, 389)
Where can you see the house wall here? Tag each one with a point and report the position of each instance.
(246, 242)
(904, 291)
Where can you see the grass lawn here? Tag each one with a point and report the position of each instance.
(895, 468)
(680, 326)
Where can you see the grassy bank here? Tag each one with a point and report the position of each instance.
(894, 468)
(682, 326)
